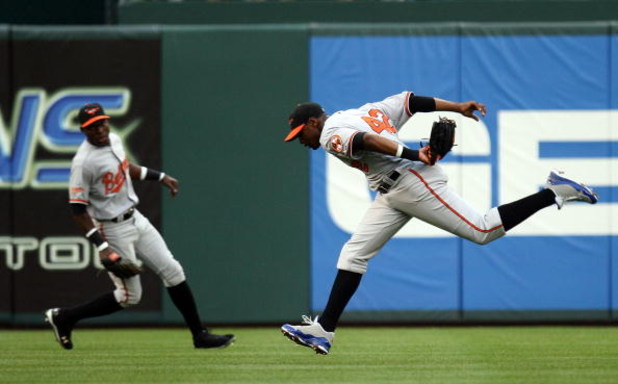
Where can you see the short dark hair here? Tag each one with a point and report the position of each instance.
(303, 112)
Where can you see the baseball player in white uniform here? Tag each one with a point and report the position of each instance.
(409, 186)
(101, 187)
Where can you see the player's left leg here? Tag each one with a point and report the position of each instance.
(153, 251)
(425, 194)
(559, 190)
(442, 207)
(63, 320)
(128, 291)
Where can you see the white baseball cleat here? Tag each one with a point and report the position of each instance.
(311, 335)
(566, 189)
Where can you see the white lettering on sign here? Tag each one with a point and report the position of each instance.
(530, 144)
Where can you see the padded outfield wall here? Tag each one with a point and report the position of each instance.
(551, 92)
(259, 223)
(240, 223)
(542, 83)
(361, 11)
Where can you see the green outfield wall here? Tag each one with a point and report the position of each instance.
(241, 223)
(363, 11)
(216, 101)
(243, 216)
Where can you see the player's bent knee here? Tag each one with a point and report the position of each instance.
(133, 299)
(483, 238)
(482, 241)
(352, 265)
(130, 301)
(128, 298)
(173, 275)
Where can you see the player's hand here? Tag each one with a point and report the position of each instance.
(425, 155)
(172, 184)
(467, 109)
(119, 266)
(107, 253)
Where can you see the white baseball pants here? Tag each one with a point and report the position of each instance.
(136, 238)
(421, 192)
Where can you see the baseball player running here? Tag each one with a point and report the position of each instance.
(101, 187)
(409, 185)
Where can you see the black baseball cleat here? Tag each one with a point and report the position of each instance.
(210, 340)
(62, 328)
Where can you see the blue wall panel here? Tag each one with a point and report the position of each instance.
(535, 82)
(347, 72)
(613, 80)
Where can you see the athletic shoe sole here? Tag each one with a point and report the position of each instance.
(554, 178)
(290, 334)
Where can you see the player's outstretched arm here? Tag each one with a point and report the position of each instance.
(376, 143)
(466, 108)
(142, 173)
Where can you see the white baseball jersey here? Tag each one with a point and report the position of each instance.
(384, 118)
(421, 191)
(100, 179)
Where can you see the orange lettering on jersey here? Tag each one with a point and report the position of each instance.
(75, 190)
(379, 122)
(360, 165)
(114, 182)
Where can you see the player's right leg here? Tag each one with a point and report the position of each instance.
(153, 250)
(311, 335)
(378, 225)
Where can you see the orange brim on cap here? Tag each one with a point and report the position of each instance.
(294, 132)
(96, 118)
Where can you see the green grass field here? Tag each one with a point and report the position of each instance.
(378, 355)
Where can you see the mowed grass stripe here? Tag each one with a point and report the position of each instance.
(359, 355)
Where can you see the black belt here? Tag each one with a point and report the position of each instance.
(388, 182)
(125, 216)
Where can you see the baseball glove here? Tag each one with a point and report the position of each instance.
(119, 266)
(442, 138)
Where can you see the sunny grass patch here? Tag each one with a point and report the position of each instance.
(359, 355)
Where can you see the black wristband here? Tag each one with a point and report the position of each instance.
(422, 104)
(94, 236)
(358, 143)
(151, 174)
(410, 154)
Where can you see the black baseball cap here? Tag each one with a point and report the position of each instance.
(90, 113)
(299, 117)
